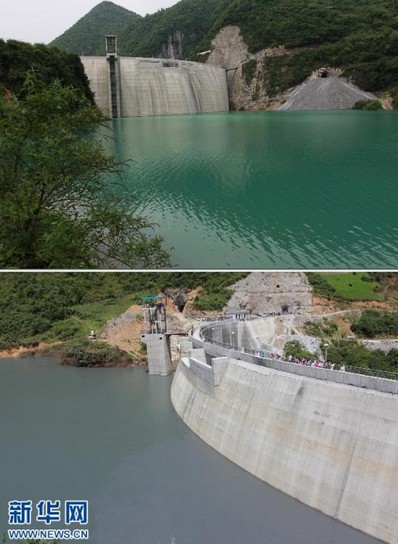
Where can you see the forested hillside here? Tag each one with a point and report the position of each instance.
(17, 58)
(186, 24)
(358, 36)
(87, 36)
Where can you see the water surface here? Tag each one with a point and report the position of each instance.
(268, 189)
(111, 436)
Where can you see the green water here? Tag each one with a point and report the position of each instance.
(268, 189)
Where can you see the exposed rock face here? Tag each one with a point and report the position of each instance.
(179, 297)
(384, 345)
(246, 73)
(173, 48)
(263, 292)
(228, 49)
(252, 86)
(330, 93)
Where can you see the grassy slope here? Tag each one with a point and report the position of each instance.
(347, 286)
(354, 286)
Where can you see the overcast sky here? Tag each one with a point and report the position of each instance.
(40, 21)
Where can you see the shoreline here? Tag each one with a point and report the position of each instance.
(44, 349)
(18, 352)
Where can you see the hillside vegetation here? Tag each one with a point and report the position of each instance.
(17, 58)
(49, 307)
(347, 286)
(189, 19)
(359, 36)
(87, 36)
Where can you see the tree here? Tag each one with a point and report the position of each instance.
(62, 201)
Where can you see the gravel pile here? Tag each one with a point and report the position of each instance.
(330, 93)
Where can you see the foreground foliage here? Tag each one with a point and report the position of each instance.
(59, 208)
(17, 58)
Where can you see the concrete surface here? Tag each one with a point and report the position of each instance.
(332, 446)
(159, 355)
(160, 86)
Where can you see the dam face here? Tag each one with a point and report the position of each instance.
(157, 86)
(331, 445)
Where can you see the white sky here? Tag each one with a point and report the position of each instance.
(40, 21)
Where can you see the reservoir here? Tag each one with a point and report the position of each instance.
(267, 189)
(111, 436)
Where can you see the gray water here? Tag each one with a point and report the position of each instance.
(111, 436)
(267, 189)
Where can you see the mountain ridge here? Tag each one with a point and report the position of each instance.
(358, 37)
(87, 35)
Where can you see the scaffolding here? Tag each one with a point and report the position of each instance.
(154, 312)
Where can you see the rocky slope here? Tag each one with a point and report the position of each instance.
(264, 292)
(253, 79)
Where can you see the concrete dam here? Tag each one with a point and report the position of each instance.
(325, 437)
(130, 87)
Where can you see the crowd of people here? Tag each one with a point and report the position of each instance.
(315, 363)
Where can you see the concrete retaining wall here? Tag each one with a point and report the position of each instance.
(158, 352)
(160, 86)
(332, 446)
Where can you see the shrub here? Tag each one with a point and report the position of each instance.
(320, 285)
(88, 353)
(296, 349)
(375, 323)
(326, 327)
(368, 105)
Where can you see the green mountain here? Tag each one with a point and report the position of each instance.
(183, 25)
(358, 36)
(87, 36)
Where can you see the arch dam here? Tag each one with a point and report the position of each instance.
(327, 438)
(130, 86)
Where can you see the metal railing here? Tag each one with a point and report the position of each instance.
(263, 355)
